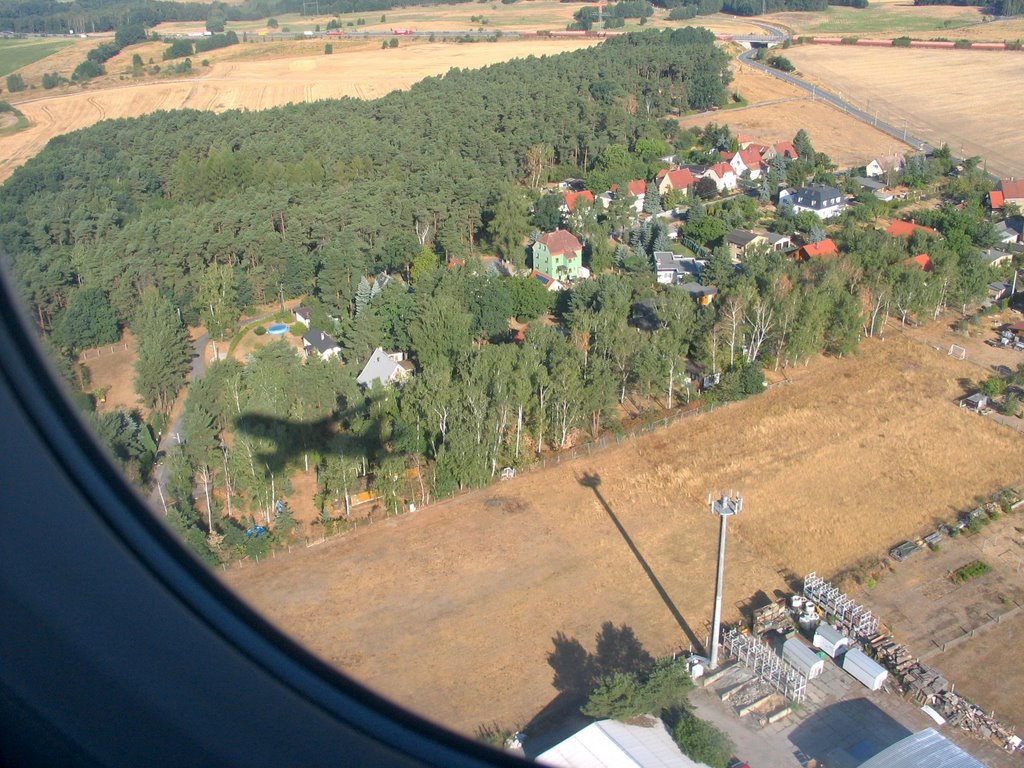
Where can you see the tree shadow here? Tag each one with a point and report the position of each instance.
(576, 673)
(593, 481)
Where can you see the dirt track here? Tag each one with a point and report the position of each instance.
(452, 610)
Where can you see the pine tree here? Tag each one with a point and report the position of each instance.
(164, 352)
(364, 292)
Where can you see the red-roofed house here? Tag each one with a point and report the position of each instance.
(820, 250)
(571, 198)
(1013, 191)
(669, 180)
(786, 149)
(907, 228)
(923, 261)
(995, 199)
(723, 175)
(558, 254)
(744, 161)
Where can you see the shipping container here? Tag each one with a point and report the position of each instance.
(802, 658)
(864, 669)
(831, 641)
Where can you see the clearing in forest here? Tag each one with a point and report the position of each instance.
(453, 610)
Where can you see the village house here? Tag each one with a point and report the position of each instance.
(549, 283)
(779, 242)
(558, 254)
(907, 228)
(922, 261)
(780, 149)
(572, 199)
(739, 240)
(637, 189)
(316, 342)
(1009, 231)
(671, 268)
(885, 165)
(821, 250)
(723, 175)
(1007, 191)
(745, 161)
(702, 294)
(994, 258)
(681, 179)
(821, 199)
(301, 315)
(384, 368)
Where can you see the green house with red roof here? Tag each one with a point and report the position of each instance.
(558, 254)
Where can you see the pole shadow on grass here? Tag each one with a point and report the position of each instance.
(593, 482)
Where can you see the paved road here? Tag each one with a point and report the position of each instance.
(747, 57)
(169, 439)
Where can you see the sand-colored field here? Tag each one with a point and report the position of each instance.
(361, 71)
(962, 98)
(778, 110)
(452, 610)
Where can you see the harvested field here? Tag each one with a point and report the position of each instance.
(360, 71)
(778, 110)
(452, 610)
(938, 93)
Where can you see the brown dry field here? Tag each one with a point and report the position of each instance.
(958, 97)
(358, 71)
(452, 610)
(778, 110)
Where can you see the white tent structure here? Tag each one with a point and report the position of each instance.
(924, 749)
(859, 665)
(803, 658)
(831, 640)
(611, 744)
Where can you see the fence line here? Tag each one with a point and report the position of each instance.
(100, 351)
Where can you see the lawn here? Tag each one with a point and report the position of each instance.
(15, 54)
(892, 19)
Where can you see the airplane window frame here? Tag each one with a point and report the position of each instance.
(78, 549)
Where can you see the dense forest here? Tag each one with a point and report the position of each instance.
(380, 215)
(57, 16)
(682, 9)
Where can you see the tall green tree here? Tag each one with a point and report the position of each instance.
(510, 224)
(164, 351)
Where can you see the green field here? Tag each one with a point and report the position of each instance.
(887, 18)
(15, 54)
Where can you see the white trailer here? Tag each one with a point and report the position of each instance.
(802, 658)
(864, 669)
(831, 640)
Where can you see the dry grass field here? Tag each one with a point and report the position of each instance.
(452, 610)
(958, 97)
(777, 110)
(112, 368)
(302, 74)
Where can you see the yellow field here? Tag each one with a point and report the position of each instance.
(453, 610)
(360, 70)
(778, 110)
(963, 98)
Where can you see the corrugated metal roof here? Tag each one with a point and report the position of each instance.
(611, 744)
(925, 749)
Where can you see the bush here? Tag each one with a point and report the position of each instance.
(178, 49)
(849, 41)
(259, 330)
(962, 44)
(15, 83)
(780, 63)
(970, 571)
(51, 80)
(297, 329)
(701, 741)
(328, 49)
(901, 42)
(682, 12)
(272, 23)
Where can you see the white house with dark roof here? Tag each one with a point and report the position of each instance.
(671, 268)
(316, 342)
(384, 368)
(821, 199)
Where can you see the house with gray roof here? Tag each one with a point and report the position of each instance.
(384, 368)
(821, 199)
(672, 268)
(316, 342)
(995, 258)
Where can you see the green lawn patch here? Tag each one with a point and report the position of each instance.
(876, 19)
(970, 571)
(15, 54)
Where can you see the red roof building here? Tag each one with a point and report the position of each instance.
(636, 188)
(995, 199)
(786, 149)
(571, 198)
(680, 179)
(561, 242)
(820, 250)
(922, 261)
(907, 228)
(1013, 190)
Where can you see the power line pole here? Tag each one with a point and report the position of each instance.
(725, 507)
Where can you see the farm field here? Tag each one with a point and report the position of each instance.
(777, 110)
(362, 70)
(944, 96)
(454, 610)
(15, 54)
